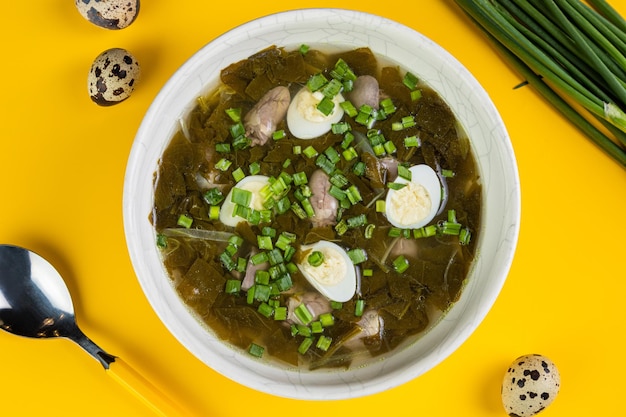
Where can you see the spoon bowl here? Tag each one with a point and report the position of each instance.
(35, 302)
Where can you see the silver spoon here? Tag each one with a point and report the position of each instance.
(35, 302)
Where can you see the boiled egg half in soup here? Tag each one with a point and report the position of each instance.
(413, 203)
(305, 120)
(252, 186)
(331, 272)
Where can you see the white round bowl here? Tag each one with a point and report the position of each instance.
(411, 50)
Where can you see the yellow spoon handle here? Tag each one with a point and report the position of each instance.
(143, 389)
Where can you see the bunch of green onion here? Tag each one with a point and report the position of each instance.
(574, 54)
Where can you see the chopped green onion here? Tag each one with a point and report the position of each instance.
(234, 114)
(222, 147)
(262, 277)
(395, 186)
(325, 164)
(336, 305)
(465, 236)
(254, 168)
(303, 49)
(233, 286)
(241, 142)
(185, 221)
(214, 212)
(357, 221)
(327, 319)
(310, 152)
(316, 82)
(262, 292)
(223, 164)
(305, 345)
(280, 313)
(389, 146)
(337, 192)
(237, 130)
(357, 255)
(369, 231)
(300, 178)
(368, 272)
(241, 196)
(350, 154)
(326, 106)
(447, 173)
(268, 231)
(297, 149)
(340, 128)
(213, 196)
(299, 211)
(404, 172)
(283, 205)
(381, 206)
(410, 81)
(332, 88)
(400, 264)
(341, 227)
(256, 350)
(238, 174)
(265, 242)
(259, 258)
(359, 168)
(359, 307)
(387, 106)
(275, 257)
(323, 343)
(394, 232)
(316, 327)
(279, 134)
(349, 108)
(316, 258)
(265, 310)
(303, 314)
(411, 142)
(161, 241)
(416, 95)
(332, 155)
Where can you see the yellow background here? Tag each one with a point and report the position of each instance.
(62, 163)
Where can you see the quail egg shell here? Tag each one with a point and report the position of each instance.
(112, 77)
(252, 183)
(335, 278)
(530, 384)
(109, 14)
(305, 121)
(416, 204)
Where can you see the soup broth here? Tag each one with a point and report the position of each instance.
(405, 276)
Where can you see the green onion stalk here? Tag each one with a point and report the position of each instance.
(574, 55)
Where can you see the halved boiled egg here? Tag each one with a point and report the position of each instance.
(335, 276)
(252, 183)
(416, 204)
(305, 121)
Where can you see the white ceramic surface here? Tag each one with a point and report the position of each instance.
(411, 50)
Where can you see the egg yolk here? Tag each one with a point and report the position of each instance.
(410, 204)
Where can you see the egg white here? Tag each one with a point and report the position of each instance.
(421, 176)
(336, 277)
(252, 183)
(305, 121)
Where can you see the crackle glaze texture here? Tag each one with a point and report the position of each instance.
(346, 30)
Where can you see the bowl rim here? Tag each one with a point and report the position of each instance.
(383, 36)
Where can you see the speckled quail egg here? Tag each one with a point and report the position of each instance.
(109, 14)
(254, 184)
(530, 384)
(112, 77)
(335, 276)
(305, 121)
(417, 203)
